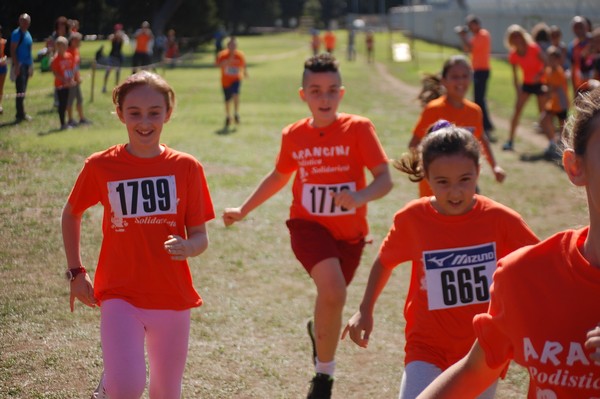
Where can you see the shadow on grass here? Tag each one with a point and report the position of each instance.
(52, 131)
(226, 130)
(541, 156)
(11, 123)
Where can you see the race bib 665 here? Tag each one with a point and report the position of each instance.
(459, 276)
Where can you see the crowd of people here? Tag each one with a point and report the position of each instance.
(65, 63)
(472, 258)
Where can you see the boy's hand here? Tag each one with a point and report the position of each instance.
(82, 289)
(593, 341)
(347, 199)
(232, 215)
(359, 327)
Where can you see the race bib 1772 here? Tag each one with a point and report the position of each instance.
(317, 199)
(143, 197)
(459, 276)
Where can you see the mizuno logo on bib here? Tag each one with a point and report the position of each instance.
(459, 276)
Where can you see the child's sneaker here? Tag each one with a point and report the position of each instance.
(310, 328)
(84, 121)
(100, 392)
(508, 146)
(320, 387)
(72, 123)
(65, 126)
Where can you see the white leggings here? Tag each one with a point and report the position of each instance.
(418, 375)
(123, 328)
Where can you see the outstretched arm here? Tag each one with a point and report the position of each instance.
(499, 173)
(269, 186)
(360, 325)
(466, 379)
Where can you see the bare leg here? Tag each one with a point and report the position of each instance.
(329, 304)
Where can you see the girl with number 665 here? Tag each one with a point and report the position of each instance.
(453, 240)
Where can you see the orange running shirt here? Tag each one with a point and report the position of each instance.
(231, 70)
(329, 39)
(480, 50)
(559, 89)
(63, 66)
(531, 64)
(76, 62)
(453, 259)
(145, 200)
(328, 160)
(543, 302)
(468, 117)
(142, 41)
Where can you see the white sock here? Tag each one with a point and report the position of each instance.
(325, 367)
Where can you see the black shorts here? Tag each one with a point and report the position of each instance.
(536, 88)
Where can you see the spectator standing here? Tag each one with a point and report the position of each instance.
(172, 51)
(315, 42)
(351, 48)
(219, 36)
(576, 48)
(329, 39)
(479, 47)
(62, 66)
(22, 63)
(541, 35)
(370, 44)
(143, 39)
(556, 40)
(115, 57)
(524, 55)
(75, 90)
(3, 67)
(557, 105)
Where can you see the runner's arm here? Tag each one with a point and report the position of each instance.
(467, 378)
(269, 186)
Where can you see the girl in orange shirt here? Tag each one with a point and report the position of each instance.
(552, 290)
(453, 240)
(156, 205)
(525, 54)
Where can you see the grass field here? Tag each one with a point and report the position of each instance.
(248, 340)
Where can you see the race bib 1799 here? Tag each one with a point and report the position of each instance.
(459, 276)
(143, 197)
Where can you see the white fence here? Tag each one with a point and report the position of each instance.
(436, 23)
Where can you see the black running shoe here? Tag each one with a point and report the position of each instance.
(320, 387)
(310, 328)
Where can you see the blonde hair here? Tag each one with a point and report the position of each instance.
(516, 29)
